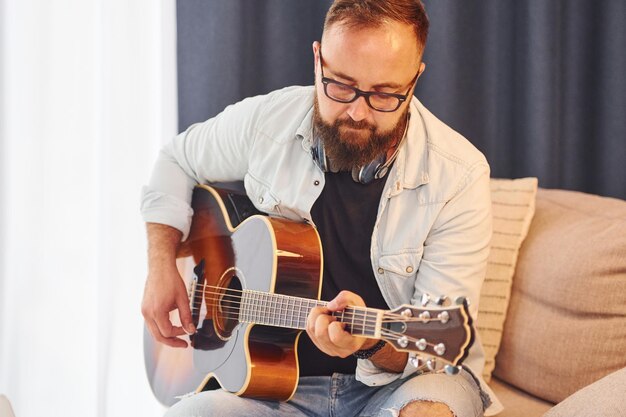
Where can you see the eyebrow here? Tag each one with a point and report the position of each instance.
(381, 85)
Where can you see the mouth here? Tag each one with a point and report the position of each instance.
(356, 129)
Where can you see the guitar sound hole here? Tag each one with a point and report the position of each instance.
(226, 309)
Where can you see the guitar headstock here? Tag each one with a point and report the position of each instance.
(438, 335)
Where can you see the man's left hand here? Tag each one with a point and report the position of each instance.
(328, 334)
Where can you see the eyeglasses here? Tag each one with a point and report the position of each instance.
(343, 93)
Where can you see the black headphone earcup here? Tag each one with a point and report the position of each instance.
(319, 155)
(364, 174)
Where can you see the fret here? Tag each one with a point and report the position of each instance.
(268, 313)
(286, 308)
(275, 311)
(272, 311)
(292, 303)
(255, 308)
(364, 322)
(309, 306)
(301, 320)
(352, 322)
(282, 312)
(245, 311)
(243, 308)
(263, 301)
(252, 307)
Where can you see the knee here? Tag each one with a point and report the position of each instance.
(426, 408)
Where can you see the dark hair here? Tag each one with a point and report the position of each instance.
(373, 13)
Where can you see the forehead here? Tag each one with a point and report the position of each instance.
(385, 53)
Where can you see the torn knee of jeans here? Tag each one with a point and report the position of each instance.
(420, 407)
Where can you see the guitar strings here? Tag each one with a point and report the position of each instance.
(278, 313)
(387, 333)
(217, 298)
(284, 309)
(283, 317)
(233, 304)
(227, 293)
(270, 298)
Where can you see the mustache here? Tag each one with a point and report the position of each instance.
(361, 124)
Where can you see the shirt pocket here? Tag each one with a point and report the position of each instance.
(400, 272)
(261, 195)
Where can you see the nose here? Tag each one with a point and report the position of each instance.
(358, 109)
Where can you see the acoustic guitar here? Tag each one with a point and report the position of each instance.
(252, 281)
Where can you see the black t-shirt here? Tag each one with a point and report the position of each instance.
(344, 214)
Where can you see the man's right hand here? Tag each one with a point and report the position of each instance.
(165, 289)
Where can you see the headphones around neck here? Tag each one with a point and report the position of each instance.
(365, 174)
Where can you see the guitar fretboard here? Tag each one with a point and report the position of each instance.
(291, 312)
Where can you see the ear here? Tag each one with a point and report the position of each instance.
(316, 54)
(421, 70)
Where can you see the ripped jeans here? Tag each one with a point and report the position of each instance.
(343, 396)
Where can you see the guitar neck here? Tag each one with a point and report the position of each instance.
(291, 312)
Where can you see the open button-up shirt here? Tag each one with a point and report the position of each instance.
(433, 227)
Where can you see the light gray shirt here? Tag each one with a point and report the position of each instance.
(433, 226)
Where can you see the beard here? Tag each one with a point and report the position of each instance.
(349, 144)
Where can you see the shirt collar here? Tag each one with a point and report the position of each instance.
(305, 130)
(411, 167)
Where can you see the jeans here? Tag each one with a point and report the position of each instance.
(342, 396)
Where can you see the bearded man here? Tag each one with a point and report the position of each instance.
(400, 201)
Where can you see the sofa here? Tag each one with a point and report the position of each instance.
(552, 315)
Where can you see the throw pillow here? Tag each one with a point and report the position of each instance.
(566, 323)
(513, 205)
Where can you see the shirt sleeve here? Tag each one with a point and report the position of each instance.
(216, 150)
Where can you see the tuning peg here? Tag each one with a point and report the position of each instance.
(417, 362)
(431, 364)
(440, 349)
(444, 316)
(451, 370)
(441, 300)
(421, 344)
(407, 312)
(462, 300)
(425, 299)
(424, 315)
(403, 341)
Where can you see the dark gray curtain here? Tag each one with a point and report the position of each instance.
(538, 85)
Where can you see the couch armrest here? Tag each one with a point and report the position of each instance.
(604, 398)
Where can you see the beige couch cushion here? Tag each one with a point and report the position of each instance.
(513, 203)
(518, 403)
(566, 324)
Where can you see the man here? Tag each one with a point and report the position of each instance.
(400, 200)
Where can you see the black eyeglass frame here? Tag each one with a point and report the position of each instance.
(365, 94)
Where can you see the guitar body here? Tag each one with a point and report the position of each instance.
(231, 248)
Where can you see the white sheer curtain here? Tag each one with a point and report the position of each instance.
(87, 96)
